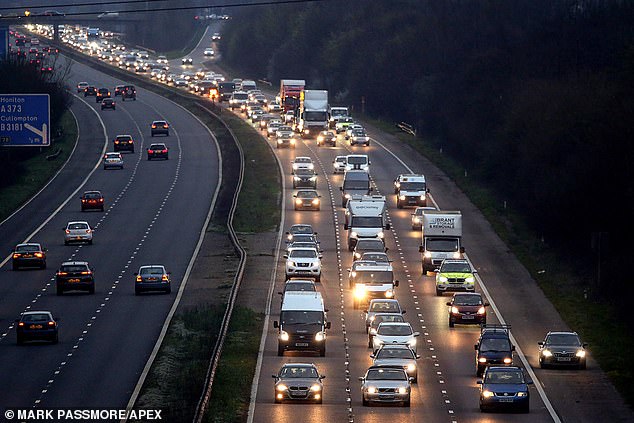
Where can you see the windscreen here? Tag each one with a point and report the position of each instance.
(563, 339)
(386, 374)
(303, 254)
(495, 345)
(356, 185)
(394, 353)
(315, 116)
(378, 277)
(366, 222)
(510, 376)
(73, 268)
(294, 317)
(298, 372)
(27, 248)
(412, 186)
(396, 330)
(240, 96)
(357, 160)
(441, 244)
(467, 300)
(455, 268)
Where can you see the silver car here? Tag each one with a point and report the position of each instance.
(394, 333)
(152, 277)
(111, 160)
(339, 164)
(77, 232)
(397, 355)
(299, 381)
(381, 305)
(386, 384)
(379, 318)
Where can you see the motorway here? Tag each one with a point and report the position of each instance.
(155, 212)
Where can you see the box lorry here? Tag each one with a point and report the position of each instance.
(365, 218)
(441, 238)
(312, 116)
(290, 91)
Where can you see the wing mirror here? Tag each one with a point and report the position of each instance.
(328, 325)
(276, 324)
(388, 227)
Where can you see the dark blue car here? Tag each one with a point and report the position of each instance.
(504, 388)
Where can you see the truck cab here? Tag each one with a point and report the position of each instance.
(365, 218)
(355, 182)
(441, 238)
(302, 325)
(336, 113)
(371, 280)
(358, 162)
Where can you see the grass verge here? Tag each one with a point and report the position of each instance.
(596, 321)
(193, 41)
(38, 171)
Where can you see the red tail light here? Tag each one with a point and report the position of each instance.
(86, 272)
(21, 324)
(67, 231)
(165, 278)
(153, 126)
(62, 273)
(139, 278)
(87, 231)
(164, 151)
(51, 323)
(39, 255)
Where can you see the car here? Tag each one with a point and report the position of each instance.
(209, 52)
(304, 178)
(75, 276)
(272, 126)
(326, 137)
(376, 257)
(37, 326)
(455, 275)
(299, 381)
(386, 384)
(300, 228)
(381, 305)
(359, 136)
(81, 87)
(187, 61)
(562, 349)
(302, 162)
(289, 116)
(101, 94)
(467, 308)
(343, 123)
(397, 355)
(92, 200)
(368, 245)
(108, 103)
(160, 127)
(118, 90)
(162, 60)
(303, 239)
(29, 254)
(351, 128)
(152, 277)
(494, 347)
(123, 142)
(90, 91)
(285, 139)
(274, 108)
(394, 333)
(216, 36)
(112, 159)
(77, 231)
(179, 82)
(307, 199)
(293, 285)
(157, 151)
(417, 216)
(379, 318)
(504, 387)
(339, 164)
(303, 262)
(371, 280)
(128, 92)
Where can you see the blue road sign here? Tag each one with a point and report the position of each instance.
(25, 120)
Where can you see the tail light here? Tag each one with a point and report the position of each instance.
(39, 255)
(101, 200)
(153, 126)
(139, 279)
(62, 273)
(165, 278)
(16, 255)
(88, 231)
(86, 272)
(67, 231)
(164, 151)
(116, 142)
(51, 323)
(21, 324)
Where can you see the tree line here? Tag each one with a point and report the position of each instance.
(533, 97)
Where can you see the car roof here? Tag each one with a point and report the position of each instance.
(303, 248)
(74, 263)
(36, 312)
(123, 135)
(467, 294)
(24, 244)
(299, 365)
(302, 158)
(561, 333)
(158, 144)
(455, 261)
(92, 192)
(395, 324)
(159, 121)
(78, 221)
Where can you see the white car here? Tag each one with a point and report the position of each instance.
(339, 164)
(161, 59)
(112, 160)
(302, 162)
(351, 128)
(187, 61)
(208, 52)
(303, 262)
(274, 108)
(77, 232)
(394, 333)
(81, 87)
(272, 127)
(216, 36)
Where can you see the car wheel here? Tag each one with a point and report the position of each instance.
(152, 134)
(19, 340)
(65, 242)
(479, 371)
(451, 323)
(91, 290)
(438, 293)
(101, 209)
(319, 401)
(482, 409)
(277, 401)
(582, 366)
(15, 266)
(365, 402)
(407, 403)
(322, 351)
(280, 351)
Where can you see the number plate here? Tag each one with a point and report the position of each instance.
(73, 280)
(35, 326)
(564, 358)
(386, 397)
(506, 400)
(468, 317)
(301, 344)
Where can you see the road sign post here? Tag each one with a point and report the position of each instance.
(25, 120)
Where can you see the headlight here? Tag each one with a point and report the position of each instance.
(401, 197)
(297, 178)
(581, 353)
(427, 254)
(353, 274)
(487, 394)
(282, 387)
(442, 279)
(284, 336)
(292, 141)
(389, 293)
(417, 219)
(547, 353)
(372, 318)
(371, 390)
(380, 235)
(422, 197)
(411, 367)
(315, 388)
(456, 255)
(508, 360)
(481, 310)
(454, 310)
(353, 234)
(313, 178)
(373, 331)
(482, 360)
(289, 236)
(357, 255)
(315, 201)
(359, 292)
(347, 196)
(470, 279)
(320, 336)
(522, 394)
(298, 201)
(412, 342)
(402, 390)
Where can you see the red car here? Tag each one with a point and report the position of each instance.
(467, 308)
(92, 200)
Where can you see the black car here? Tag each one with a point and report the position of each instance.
(92, 200)
(75, 276)
(123, 142)
(128, 92)
(108, 103)
(494, 347)
(562, 349)
(304, 178)
(90, 91)
(467, 308)
(157, 151)
(160, 127)
(37, 326)
(29, 254)
(326, 137)
(101, 94)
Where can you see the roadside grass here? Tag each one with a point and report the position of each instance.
(230, 397)
(178, 373)
(596, 321)
(37, 170)
(191, 43)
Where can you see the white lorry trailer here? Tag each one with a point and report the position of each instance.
(312, 115)
(365, 218)
(441, 238)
